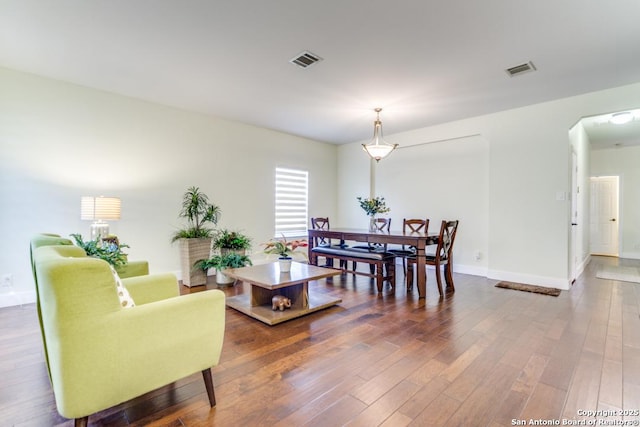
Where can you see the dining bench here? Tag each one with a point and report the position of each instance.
(382, 262)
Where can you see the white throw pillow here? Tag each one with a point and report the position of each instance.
(123, 294)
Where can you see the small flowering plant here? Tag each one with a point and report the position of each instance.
(373, 205)
(285, 248)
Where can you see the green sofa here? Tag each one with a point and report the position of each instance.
(100, 354)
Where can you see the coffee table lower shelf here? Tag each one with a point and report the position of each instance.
(265, 314)
(264, 281)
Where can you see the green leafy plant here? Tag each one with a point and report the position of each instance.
(284, 248)
(220, 262)
(234, 240)
(373, 205)
(198, 211)
(109, 251)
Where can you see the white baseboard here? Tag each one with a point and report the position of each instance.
(472, 270)
(17, 298)
(630, 255)
(583, 265)
(530, 279)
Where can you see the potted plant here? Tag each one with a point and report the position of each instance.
(231, 241)
(106, 249)
(373, 206)
(195, 238)
(286, 251)
(221, 263)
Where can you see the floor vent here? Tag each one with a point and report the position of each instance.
(520, 69)
(304, 59)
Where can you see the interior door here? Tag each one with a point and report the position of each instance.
(604, 215)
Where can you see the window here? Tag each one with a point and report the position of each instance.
(291, 202)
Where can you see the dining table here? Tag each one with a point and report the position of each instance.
(418, 240)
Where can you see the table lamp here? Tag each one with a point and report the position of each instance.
(99, 209)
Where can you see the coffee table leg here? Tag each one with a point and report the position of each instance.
(260, 296)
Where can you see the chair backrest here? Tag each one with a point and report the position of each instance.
(415, 225)
(320, 223)
(382, 224)
(448, 230)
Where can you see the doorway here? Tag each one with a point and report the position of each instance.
(604, 224)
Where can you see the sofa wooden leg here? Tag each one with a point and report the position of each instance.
(208, 383)
(81, 422)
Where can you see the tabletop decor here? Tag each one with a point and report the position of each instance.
(373, 206)
(286, 250)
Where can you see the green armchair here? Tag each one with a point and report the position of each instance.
(100, 354)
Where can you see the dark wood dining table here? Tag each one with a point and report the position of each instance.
(418, 240)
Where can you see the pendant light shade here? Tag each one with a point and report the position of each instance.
(378, 148)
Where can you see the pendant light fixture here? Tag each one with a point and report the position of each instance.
(378, 148)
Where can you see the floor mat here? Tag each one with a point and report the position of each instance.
(529, 288)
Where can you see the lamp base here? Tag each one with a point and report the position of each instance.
(99, 230)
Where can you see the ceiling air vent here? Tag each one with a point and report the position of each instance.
(520, 69)
(304, 59)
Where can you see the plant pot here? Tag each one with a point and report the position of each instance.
(226, 251)
(285, 264)
(192, 250)
(223, 279)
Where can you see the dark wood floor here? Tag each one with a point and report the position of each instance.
(483, 356)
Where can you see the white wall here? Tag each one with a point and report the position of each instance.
(624, 162)
(444, 180)
(529, 170)
(581, 146)
(59, 142)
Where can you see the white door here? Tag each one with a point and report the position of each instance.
(604, 215)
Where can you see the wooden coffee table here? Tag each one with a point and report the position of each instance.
(265, 281)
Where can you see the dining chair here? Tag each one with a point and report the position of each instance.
(409, 226)
(441, 256)
(381, 224)
(322, 223)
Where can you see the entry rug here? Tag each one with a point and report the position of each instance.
(617, 272)
(529, 288)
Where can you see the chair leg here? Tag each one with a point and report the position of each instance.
(81, 422)
(208, 383)
(448, 277)
(409, 277)
(438, 278)
(391, 274)
(379, 275)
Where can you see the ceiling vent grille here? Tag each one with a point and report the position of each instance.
(520, 69)
(305, 59)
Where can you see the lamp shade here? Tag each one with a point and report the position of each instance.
(378, 148)
(99, 208)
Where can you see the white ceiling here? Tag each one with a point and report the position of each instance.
(423, 61)
(604, 134)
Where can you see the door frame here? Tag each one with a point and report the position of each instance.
(618, 218)
(573, 243)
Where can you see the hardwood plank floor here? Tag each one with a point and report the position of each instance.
(482, 356)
